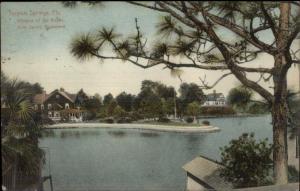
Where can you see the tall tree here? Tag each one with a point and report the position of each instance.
(217, 36)
(107, 99)
(81, 97)
(191, 93)
(239, 97)
(193, 109)
(151, 106)
(125, 101)
(19, 129)
(158, 88)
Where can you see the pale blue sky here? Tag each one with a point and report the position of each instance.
(43, 56)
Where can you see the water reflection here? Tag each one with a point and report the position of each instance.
(117, 133)
(78, 134)
(149, 134)
(48, 133)
(195, 140)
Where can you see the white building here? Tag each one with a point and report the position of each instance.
(215, 99)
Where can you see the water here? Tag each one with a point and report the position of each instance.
(115, 159)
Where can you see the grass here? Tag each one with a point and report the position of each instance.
(170, 123)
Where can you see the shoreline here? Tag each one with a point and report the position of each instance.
(232, 116)
(165, 128)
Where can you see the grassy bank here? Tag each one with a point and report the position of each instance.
(177, 124)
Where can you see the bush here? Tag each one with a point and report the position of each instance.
(109, 120)
(124, 120)
(89, 115)
(134, 116)
(163, 120)
(293, 174)
(205, 122)
(101, 114)
(46, 120)
(247, 163)
(189, 120)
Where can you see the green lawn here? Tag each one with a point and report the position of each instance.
(169, 123)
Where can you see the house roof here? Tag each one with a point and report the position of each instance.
(214, 96)
(207, 171)
(71, 96)
(41, 98)
(67, 95)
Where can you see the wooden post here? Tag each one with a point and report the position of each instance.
(14, 176)
(51, 185)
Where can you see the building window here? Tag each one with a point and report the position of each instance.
(36, 107)
(49, 106)
(67, 106)
(57, 96)
(42, 107)
(49, 114)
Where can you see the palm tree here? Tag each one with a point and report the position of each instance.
(20, 131)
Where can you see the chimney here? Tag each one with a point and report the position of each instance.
(62, 89)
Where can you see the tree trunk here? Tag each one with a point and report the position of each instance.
(299, 77)
(280, 157)
(279, 120)
(279, 104)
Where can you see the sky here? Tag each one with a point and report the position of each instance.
(42, 54)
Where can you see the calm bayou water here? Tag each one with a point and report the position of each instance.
(112, 159)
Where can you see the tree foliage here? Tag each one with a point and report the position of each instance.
(81, 97)
(119, 112)
(107, 99)
(125, 101)
(19, 127)
(240, 97)
(151, 106)
(193, 109)
(247, 162)
(191, 93)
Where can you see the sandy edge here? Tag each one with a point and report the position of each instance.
(135, 126)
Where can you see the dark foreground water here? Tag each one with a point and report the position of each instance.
(112, 159)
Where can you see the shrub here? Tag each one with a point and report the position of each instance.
(163, 120)
(293, 174)
(124, 120)
(46, 120)
(101, 114)
(109, 120)
(89, 115)
(205, 122)
(189, 120)
(247, 162)
(134, 116)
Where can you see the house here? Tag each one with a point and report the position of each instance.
(215, 99)
(204, 174)
(59, 105)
